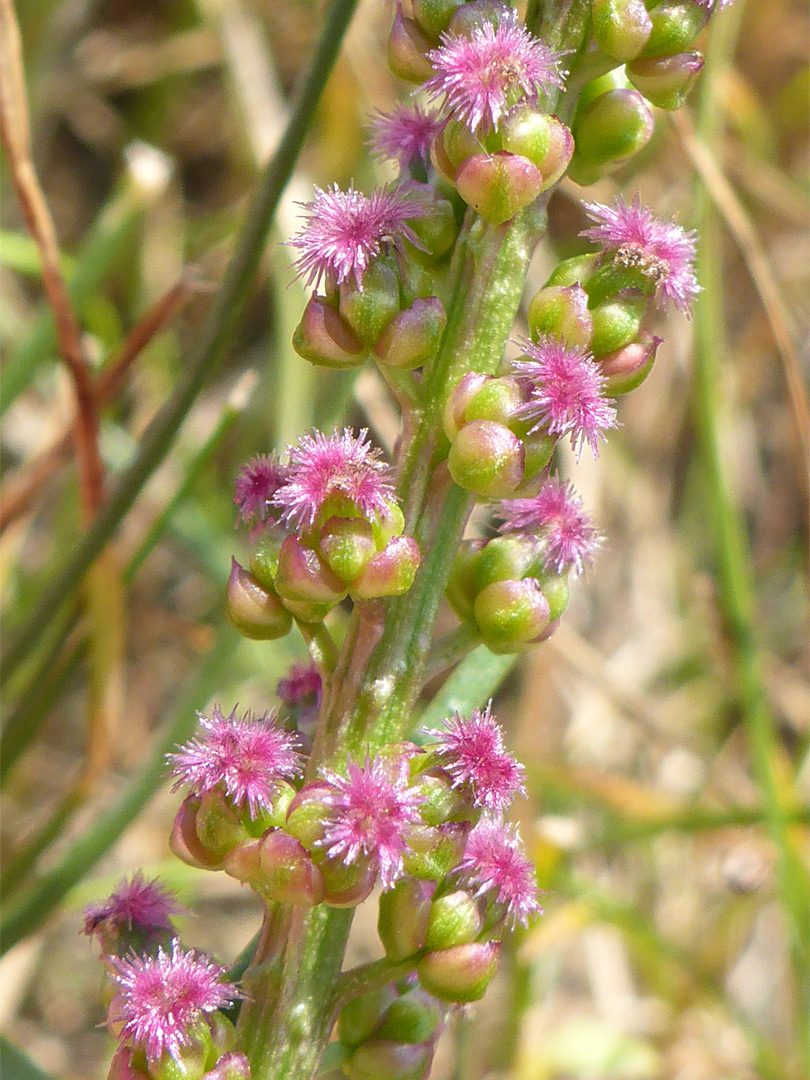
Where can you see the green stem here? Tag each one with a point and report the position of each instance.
(367, 977)
(322, 649)
(451, 648)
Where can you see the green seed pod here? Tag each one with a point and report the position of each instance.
(433, 852)
(404, 917)
(324, 338)
(459, 398)
(218, 826)
(537, 450)
(439, 801)
(288, 874)
(555, 590)
(628, 367)
(674, 27)
(621, 27)
(460, 974)
(413, 1018)
(504, 558)
(486, 458)
(458, 144)
(497, 399)
(455, 919)
(387, 525)
(264, 557)
(256, 613)
(616, 323)
(368, 310)
(189, 1063)
(574, 271)
(511, 614)
(308, 814)
(499, 185)
(561, 311)
(436, 227)
(346, 885)
(608, 132)
(666, 80)
(540, 138)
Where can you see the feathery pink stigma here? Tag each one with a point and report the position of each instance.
(494, 861)
(566, 392)
(343, 468)
(346, 230)
(301, 685)
(247, 756)
(555, 514)
(479, 77)
(255, 486)
(661, 251)
(404, 135)
(163, 997)
(371, 810)
(472, 752)
(136, 904)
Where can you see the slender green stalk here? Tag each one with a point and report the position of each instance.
(367, 977)
(210, 349)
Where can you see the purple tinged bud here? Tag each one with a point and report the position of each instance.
(621, 27)
(666, 80)
(243, 862)
(368, 310)
(541, 138)
(381, 1059)
(440, 802)
(561, 311)
(408, 46)
(413, 336)
(616, 323)
(505, 558)
(608, 132)
(184, 842)
(486, 458)
(455, 919)
(404, 917)
(233, 1066)
(303, 576)
(628, 367)
(433, 852)
(360, 1017)
(288, 873)
(511, 614)
(346, 545)
(675, 27)
(497, 399)
(218, 826)
(324, 338)
(499, 185)
(389, 573)
(462, 973)
(413, 1018)
(122, 1066)
(347, 885)
(459, 398)
(254, 611)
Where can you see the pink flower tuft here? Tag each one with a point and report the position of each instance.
(661, 251)
(404, 135)
(346, 230)
(495, 862)
(472, 752)
(301, 685)
(566, 392)
(372, 808)
(163, 997)
(714, 5)
(343, 468)
(247, 756)
(479, 77)
(568, 535)
(255, 486)
(136, 905)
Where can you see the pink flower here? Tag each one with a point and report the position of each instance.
(472, 752)
(714, 5)
(136, 905)
(163, 997)
(255, 486)
(566, 392)
(661, 251)
(478, 78)
(342, 470)
(345, 231)
(495, 862)
(247, 756)
(301, 685)
(404, 135)
(372, 808)
(568, 536)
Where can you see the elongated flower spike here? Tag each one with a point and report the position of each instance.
(404, 135)
(345, 231)
(661, 251)
(494, 862)
(371, 810)
(338, 468)
(245, 756)
(137, 905)
(570, 540)
(162, 998)
(257, 482)
(478, 78)
(471, 750)
(566, 392)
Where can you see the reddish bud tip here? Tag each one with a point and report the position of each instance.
(666, 80)
(324, 338)
(499, 185)
(511, 614)
(561, 311)
(461, 973)
(628, 367)
(256, 612)
(413, 336)
(389, 573)
(404, 917)
(302, 576)
(486, 458)
(408, 47)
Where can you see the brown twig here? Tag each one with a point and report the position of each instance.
(15, 132)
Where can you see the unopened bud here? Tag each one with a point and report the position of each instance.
(360, 1017)
(324, 338)
(433, 852)
(122, 1067)
(184, 841)
(574, 271)
(218, 826)
(384, 526)
(243, 862)
(434, 15)
(666, 80)
(621, 28)
(462, 973)
(413, 336)
(675, 26)
(254, 611)
(288, 873)
(616, 323)
(455, 919)
(408, 46)
(497, 399)
(309, 812)
(233, 1066)
(412, 1018)
(561, 311)
(384, 1060)
(390, 572)
(307, 611)
(486, 458)
(555, 590)
(369, 308)
(537, 450)
(511, 614)
(461, 590)
(222, 1032)
(543, 139)
(504, 558)
(264, 556)
(499, 185)
(455, 145)
(439, 801)
(436, 228)
(188, 1061)
(608, 132)
(628, 367)
(476, 12)
(303, 576)
(459, 398)
(346, 545)
(404, 917)
(347, 885)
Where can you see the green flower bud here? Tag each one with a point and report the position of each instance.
(475, 13)
(306, 611)
(324, 338)
(460, 974)
(407, 48)
(384, 1060)
(264, 557)
(433, 852)
(504, 558)
(415, 283)
(497, 399)
(486, 458)
(608, 132)
(243, 862)
(434, 15)
(346, 545)
(388, 525)
(223, 1034)
(390, 572)
(457, 144)
(184, 841)
(561, 311)
(308, 813)
(187, 1064)
(360, 1017)
(413, 336)
(436, 227)
(368, 310)
(537, 450)
(628, 367)
(542, 139)
(666, 80)
(413, 1018)
(461, 584)
(621, 27)
(574, 271)
(511, 614)
(255, 612)
(218, 826)
(555, 590)
(675, 27)
(303, 576)
(616, 323)
(346, 885)
(455, 919)
(288, 874)
(439, 801)
(459, 398)
(404, 917)
(499, 185)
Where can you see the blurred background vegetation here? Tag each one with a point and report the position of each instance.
(665, 727)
